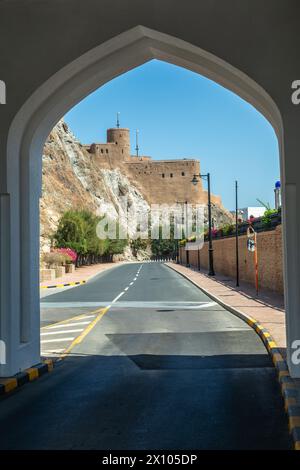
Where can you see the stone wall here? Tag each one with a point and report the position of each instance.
(270, 269)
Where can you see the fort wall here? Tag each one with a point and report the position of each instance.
(160, 181)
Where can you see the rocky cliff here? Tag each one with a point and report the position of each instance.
(73, 179)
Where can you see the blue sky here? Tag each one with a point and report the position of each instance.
(182, 114)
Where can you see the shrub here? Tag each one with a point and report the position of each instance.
(165, 246)
(54, 259)
(138, 244)
(228, 229)
(69, 253)
(266, 218)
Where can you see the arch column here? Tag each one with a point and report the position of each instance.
(290, 172)
(19, 273)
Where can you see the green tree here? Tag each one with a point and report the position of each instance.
(164, 247)
(138, 244)
(266, 218)
(70, 232)
(78, 230)
(116, 246)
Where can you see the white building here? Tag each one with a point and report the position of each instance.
(246, 212)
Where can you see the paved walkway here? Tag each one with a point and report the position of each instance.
(267, 307)
(81, 274)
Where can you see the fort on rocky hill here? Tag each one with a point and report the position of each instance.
(91, 177)
(159, 181)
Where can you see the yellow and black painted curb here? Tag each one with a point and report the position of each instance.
(68, 284)
(7, 385)
(287, 384)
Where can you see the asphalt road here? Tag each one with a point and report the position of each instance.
(164, 368)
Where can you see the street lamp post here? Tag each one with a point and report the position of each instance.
(186, 230)
(195, 181)
(237, 236)
(177, 252)
(187, 234)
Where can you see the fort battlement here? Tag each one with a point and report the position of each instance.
(160, 181)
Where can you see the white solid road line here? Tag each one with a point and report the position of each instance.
(53, 351)
(165, 305)
(62, 332)
(73, 305)
(67, 325)
(87, 316)
(207, 304)
(56, 340)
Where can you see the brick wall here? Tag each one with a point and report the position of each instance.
(270, 270)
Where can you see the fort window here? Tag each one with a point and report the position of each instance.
(171, 175)
(101, 150)
(182, 173)
(163, 175)
(106, 150)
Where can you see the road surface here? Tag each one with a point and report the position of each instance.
(164, 367)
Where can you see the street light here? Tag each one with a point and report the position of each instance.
(195, 181)
(186, 234)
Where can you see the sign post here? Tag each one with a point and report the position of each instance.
(252, 246)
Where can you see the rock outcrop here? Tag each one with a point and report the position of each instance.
(73, 180)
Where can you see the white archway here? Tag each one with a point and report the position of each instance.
(27, 134)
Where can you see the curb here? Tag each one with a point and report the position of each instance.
(77, 283)
(7, 385)
(84, 281)
(287, 384)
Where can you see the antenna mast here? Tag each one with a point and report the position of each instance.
(137, 142)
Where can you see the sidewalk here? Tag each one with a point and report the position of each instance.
(81, 274)
(267, 308)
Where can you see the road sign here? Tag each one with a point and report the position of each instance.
(250, 244)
